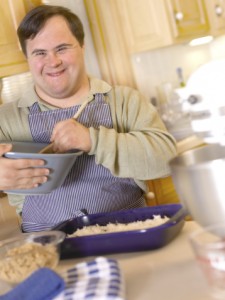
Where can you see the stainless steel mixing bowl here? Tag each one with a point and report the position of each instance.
(199, 179)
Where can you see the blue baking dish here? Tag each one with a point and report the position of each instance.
(121, 242)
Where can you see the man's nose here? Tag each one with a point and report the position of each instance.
(53, 58)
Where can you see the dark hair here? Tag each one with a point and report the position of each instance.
(36, 18)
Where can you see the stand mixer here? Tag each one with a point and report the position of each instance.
(199, 174)
(207, 84)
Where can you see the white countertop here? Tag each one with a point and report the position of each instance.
(167, 273)
(170, 272)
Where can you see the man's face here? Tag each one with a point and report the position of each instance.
(56, 60)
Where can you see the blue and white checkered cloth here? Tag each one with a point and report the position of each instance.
(100, 279)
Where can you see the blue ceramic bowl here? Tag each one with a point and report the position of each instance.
(121, 242)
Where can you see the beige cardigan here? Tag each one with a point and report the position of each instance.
(138, 146)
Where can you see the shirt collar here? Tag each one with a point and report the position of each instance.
(97, 86)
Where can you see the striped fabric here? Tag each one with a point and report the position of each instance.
(88, 185)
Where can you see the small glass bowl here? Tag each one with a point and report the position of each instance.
(21, 256)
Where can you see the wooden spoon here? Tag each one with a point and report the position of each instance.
(49, 148)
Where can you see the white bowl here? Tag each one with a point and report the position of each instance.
(59, 165)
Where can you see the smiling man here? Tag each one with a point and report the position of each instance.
(123, 139)
(57, 64)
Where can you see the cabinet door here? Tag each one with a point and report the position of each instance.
(144, 24)
(188, 18)
(216, 14)
(12, 60)
(111, 48)
(162, 192)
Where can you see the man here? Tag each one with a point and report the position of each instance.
(120, 132)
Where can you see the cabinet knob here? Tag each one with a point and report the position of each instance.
(179, 16)
(218, 10)
(150, 195)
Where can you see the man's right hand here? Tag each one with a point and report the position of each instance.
(20, 173)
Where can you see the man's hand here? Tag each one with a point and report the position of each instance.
(20, 173)
(70, 134)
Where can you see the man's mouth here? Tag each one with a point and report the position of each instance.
(55, 74)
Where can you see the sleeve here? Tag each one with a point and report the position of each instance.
(14, 124)
(138, 146)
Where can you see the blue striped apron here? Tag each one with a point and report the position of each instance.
(88, 185)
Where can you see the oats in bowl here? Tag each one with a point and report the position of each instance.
(21, 256)
(118, 227)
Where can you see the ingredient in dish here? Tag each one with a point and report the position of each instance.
(117, 227)
(21, 261)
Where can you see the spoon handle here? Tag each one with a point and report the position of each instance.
(49, 148)
(180, 214)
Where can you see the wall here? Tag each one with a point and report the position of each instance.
(154, 68)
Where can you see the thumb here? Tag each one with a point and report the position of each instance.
(5, 148)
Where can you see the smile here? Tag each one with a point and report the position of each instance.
(55, 74)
